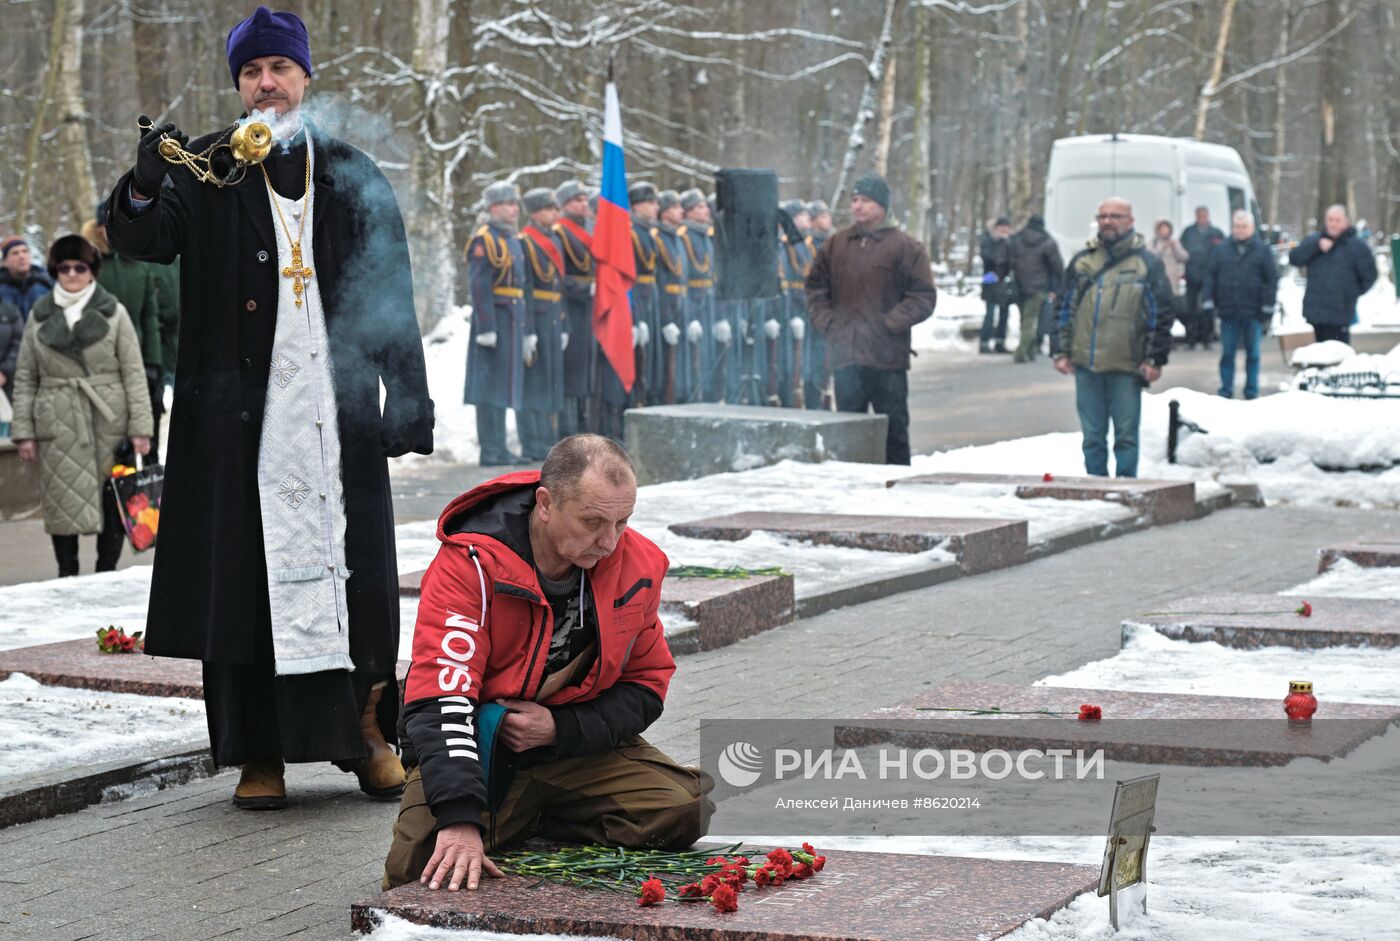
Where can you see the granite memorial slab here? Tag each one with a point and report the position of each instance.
(411, 584)
(929, 721)
(1249, 621)
(858, 897)
(979, 545)
(1376, 552)
(726, 610)
(79, 664)
(1160, 501)
(683, 442)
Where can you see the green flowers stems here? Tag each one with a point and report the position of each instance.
(994, 711)
(706, 571)
(613, 868)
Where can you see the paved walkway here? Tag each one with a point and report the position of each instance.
(183, 864)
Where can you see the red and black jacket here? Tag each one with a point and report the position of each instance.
(483, 633)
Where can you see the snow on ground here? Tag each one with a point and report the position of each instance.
(394, 928)
(1346, 579)
(1277, 442)
(1377, 309)
(52, 727)
(1152, 662)
(942, 331)
(71, 608)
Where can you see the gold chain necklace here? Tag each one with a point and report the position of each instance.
(296, 270)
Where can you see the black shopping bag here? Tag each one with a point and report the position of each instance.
(137, 493)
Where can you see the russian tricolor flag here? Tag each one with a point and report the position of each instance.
(612, 251)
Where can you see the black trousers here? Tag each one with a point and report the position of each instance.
(1200, 324)
(886, 391)
(109, 541)
(1328, 331)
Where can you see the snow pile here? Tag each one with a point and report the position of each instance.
(1377, 309)
(1346, 579)
(1280, 442)
(1326, 353)
(1152, 662)
(943, 331)
(71, 608)
(394, 928)
(48, 728)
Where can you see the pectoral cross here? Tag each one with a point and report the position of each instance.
(296, 271)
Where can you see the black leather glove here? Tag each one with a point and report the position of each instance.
(151, 167)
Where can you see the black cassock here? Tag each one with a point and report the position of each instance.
(209, 598)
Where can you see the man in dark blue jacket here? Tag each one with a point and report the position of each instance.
(1240, 287)
(1341, 268)
(21, 282)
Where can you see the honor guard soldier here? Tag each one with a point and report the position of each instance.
(820, 214)
(500, 323)
(672, 380)
(707, 384)
(646, 313)
(579, 351)
(544, 345)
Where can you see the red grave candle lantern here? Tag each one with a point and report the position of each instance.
(1300, 703)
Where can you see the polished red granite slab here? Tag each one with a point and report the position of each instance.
(1377, 552)
(79, 664)
(858, 897)
(1161, 501)
(411, 584)
(979, 545)
(1204, 731)
(1249, 621)
(727, 610)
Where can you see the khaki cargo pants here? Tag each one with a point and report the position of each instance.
(633, 795)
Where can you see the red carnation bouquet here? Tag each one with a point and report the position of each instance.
(117, 640)
(689, 877)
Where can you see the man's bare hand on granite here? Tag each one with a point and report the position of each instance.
(459, 853)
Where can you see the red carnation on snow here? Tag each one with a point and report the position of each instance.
(1048, 477)
(1090, 713)
(1304, 609)
(725, 899)
(652, 892)
(809, 849)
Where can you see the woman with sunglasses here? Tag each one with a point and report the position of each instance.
(80, 391)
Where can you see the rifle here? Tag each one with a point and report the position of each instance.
(639, 385)
(799, 391)
(828, 385)
(697, 382)
(774, 395)
(669, 392)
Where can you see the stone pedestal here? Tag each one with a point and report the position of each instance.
(858, 897)
(1160, 501)
(726, 610)
(920, 722)
(79, 664)
(1378, 552)
(1271, 620)
(978, 545)
(683, 442)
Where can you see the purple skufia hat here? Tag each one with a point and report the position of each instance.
(266, 33)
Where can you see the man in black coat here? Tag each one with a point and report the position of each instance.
(219, 591)
(1241, 288)
(1199, 240)
(1035, 271)
(1341, 268)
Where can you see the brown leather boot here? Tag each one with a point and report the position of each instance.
(380, 771)
(261, 786)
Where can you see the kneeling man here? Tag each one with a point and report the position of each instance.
(538, 659)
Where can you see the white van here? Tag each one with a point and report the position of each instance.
(1163, 177)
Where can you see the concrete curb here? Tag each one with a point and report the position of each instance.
(40, 796)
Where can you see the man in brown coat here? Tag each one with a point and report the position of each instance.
(869, 285)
